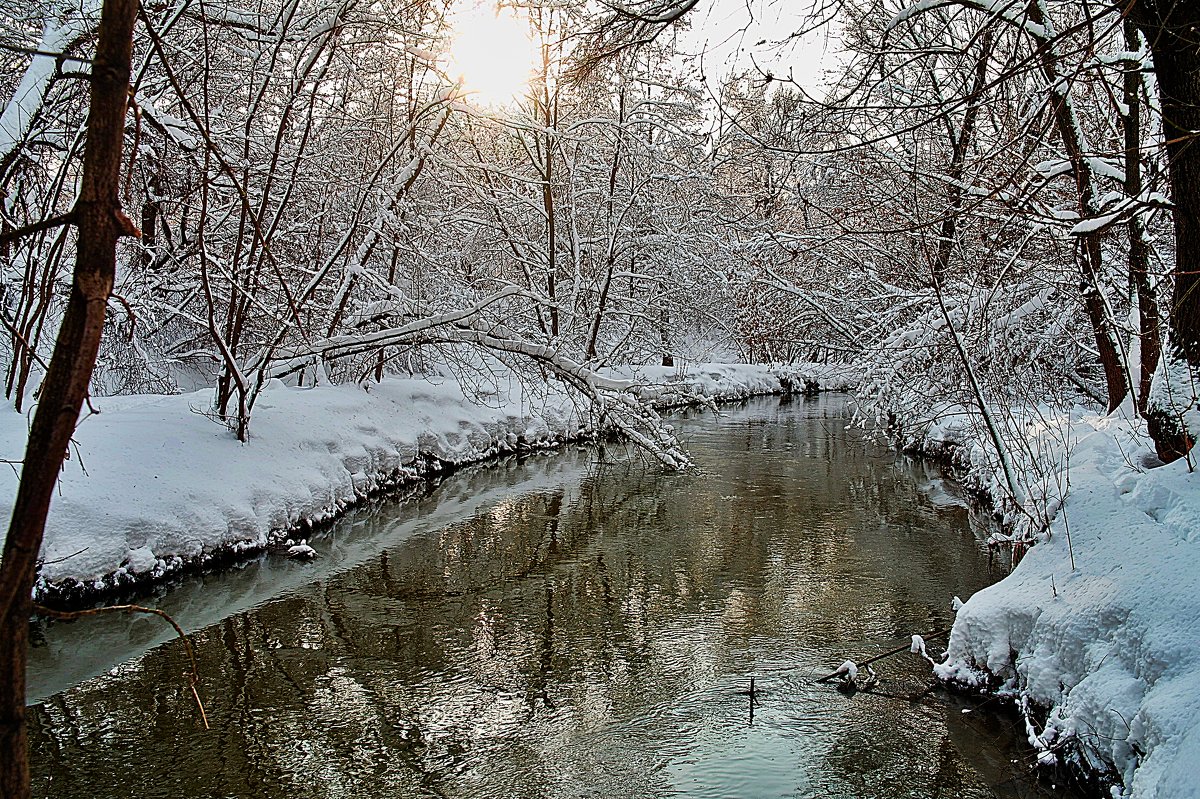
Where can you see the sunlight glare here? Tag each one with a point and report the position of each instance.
(491, 54)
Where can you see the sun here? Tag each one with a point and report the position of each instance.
(491, 54)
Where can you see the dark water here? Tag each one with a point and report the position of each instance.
(571, 628)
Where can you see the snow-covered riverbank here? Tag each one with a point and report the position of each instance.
(1098, 626)
(153, 486)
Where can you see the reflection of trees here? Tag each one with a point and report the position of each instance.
(930, 765)
(498, 652)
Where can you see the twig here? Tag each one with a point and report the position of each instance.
(67, 557)
(76, 614)
(12, 329)
(128, 312)
(903, 648)
(37, 227)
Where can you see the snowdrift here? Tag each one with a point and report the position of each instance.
(1096, 633)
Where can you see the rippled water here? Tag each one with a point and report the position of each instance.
(573, 625)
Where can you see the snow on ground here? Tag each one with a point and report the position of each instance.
(725, 382)
(1110, 646)
(153, 485)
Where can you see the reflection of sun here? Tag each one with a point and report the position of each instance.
(491, 53)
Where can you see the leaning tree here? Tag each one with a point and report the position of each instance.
(100, 223)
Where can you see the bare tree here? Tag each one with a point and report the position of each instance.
(101, 222)
(1170, 29)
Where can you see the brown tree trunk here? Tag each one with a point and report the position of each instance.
(1091, 258)
(1139, 248)
(960, 146)
(151, 209)
(664, 335)
(101, 223)
(611, 224)
(548, 112)
(548, 209)
(1170, 27)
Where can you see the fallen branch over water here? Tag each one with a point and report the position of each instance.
(903, 648)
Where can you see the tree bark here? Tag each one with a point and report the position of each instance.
(1149, 319)
(611, 225)
(101, 223)
(960, 146)
(1091, 257)
(1170, 27)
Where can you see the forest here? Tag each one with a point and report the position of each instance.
(986, 211)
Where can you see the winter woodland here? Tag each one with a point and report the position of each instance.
(325, 206)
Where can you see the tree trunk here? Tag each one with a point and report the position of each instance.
(1170, 28)
(1091, 257)
(612, 226)
(960, 146)
(151, 209)
(101, 223)
(551, 229)
(1139, 249)
(664, 336)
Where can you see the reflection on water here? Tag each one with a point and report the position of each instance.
(590, 636)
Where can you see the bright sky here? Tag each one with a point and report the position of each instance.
(491, 52)
(738, 34)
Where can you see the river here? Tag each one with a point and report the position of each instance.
(576, 624)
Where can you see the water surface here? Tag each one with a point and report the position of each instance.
(575, 625)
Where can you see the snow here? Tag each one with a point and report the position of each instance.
(153, 485)
(1095, 223)
(421, 54)
(1009, 11)
(848, 671)
(1106, 168)
(301, 551)
(27, 98)
(729, 382)
(1094, 632)
(180, 131)
(912, 11)
(1053, 168)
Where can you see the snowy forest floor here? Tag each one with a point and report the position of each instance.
(1094, 634)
